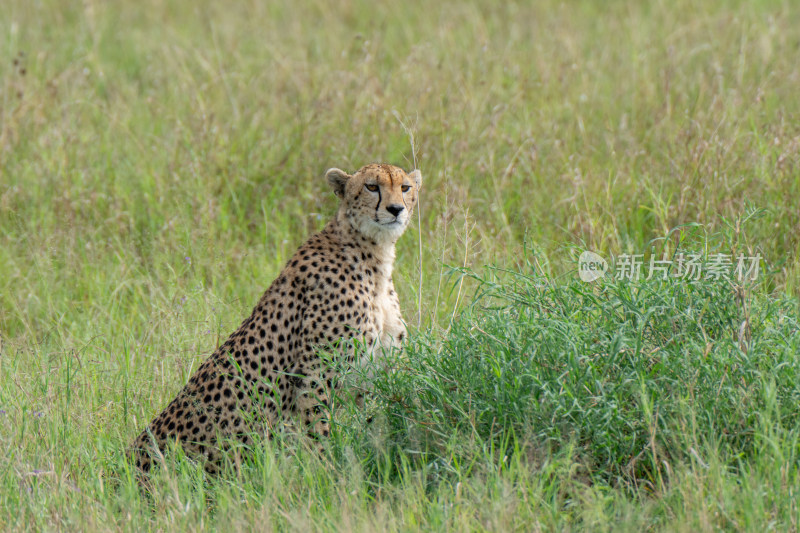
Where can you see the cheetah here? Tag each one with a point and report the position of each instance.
(336, 292)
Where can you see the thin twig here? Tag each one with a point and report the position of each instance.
(419, 217)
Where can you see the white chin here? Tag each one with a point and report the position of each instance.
(382, 232)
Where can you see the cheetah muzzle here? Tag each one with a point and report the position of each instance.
(335, 291)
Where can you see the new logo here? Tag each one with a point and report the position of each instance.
(591, 266)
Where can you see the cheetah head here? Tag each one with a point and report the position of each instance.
(378, 200)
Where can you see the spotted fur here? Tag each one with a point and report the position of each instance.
(336, 287)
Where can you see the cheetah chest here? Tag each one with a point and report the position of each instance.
(389, 321)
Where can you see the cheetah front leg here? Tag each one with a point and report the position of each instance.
(317, 379)
(312, 398)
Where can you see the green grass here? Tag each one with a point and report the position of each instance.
(160, 161)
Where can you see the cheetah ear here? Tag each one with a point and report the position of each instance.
(337, 179)
(417, 177)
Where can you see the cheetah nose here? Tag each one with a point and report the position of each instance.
(395, 209)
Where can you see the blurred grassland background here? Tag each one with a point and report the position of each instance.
(161, 160)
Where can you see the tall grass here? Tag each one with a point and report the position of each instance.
(159, 162)
(619, 405)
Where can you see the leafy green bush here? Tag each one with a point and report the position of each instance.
(636, 374)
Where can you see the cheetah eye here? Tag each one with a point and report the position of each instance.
(405, 188)
(371, 187)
